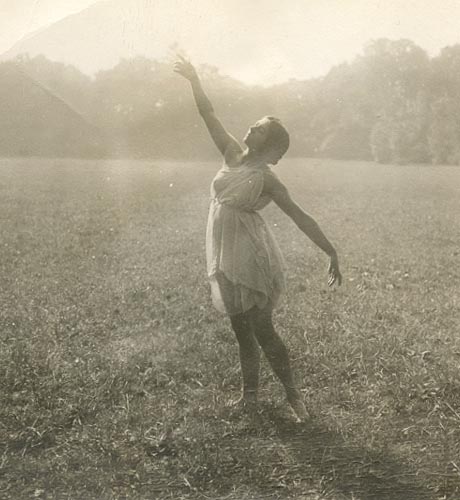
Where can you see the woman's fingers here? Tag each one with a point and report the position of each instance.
(183, 66)
(182, 61)
(334, 277)
(179, 67)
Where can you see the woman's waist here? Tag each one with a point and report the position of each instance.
(232, 204)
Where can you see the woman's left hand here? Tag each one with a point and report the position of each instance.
(333, 272)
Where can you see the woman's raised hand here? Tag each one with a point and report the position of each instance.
(333, 272)
(185, 68)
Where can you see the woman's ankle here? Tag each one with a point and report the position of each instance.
(292, 393)
(249, 395)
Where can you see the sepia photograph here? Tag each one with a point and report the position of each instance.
(230, 250)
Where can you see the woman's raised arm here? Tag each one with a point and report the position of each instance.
(222, 139)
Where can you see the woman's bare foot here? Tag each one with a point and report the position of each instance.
(294, 397)
(248, 401)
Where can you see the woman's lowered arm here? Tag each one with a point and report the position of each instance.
(280, 195)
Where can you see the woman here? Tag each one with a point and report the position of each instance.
(244, 262)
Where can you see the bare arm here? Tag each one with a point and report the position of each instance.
(222, 139)
(280, 195)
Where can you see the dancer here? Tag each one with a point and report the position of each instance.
(244, 263)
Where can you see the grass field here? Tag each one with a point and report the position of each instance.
(116, 372)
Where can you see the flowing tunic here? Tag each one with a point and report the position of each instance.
(244, 262)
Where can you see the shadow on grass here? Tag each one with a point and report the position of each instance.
(352, 471)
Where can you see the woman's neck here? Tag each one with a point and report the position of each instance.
(252, 157)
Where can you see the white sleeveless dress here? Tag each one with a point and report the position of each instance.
(244, 262)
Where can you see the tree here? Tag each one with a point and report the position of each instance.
(444, 130)
(397, 73)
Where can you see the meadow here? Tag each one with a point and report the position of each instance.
(116, 372)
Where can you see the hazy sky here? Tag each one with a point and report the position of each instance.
(300, 38)
(19, 17)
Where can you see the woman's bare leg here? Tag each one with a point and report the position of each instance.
(249, 355)
(277, 355)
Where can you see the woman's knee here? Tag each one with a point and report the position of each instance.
(242, 326)
(239, 322)
(263, 326)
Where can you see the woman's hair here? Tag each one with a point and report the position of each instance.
(277, 141)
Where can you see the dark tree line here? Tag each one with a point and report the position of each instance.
(392, 104)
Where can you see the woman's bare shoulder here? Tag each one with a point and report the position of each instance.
(272, 183)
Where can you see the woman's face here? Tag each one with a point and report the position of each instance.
(257, 134)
